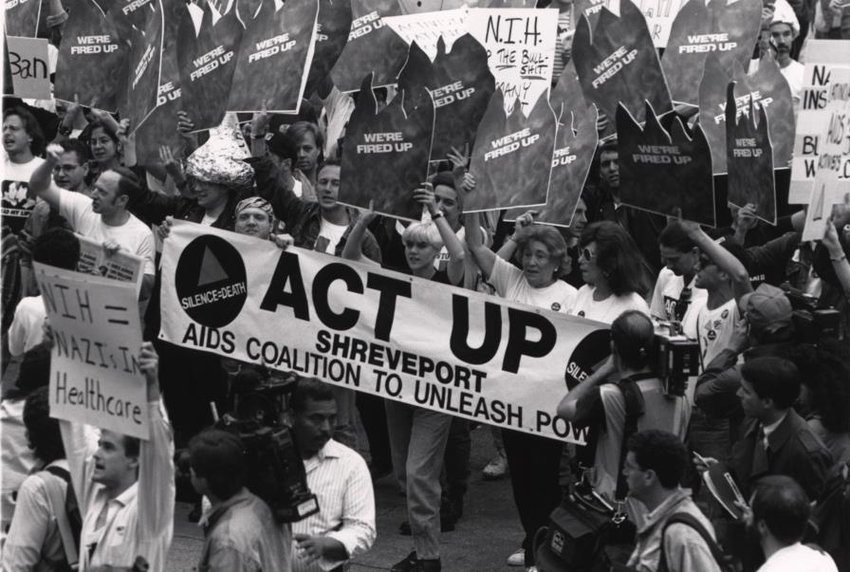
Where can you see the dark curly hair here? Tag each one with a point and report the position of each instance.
(618, 258)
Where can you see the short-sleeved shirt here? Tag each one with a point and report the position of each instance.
(132, 236)
(667, 296)
(606, 310)
(27, 330)
(715, 328)
(510, 283)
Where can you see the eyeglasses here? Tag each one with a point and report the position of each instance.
(587, 255)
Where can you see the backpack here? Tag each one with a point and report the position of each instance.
(724, 561)
(831, 516)
(69, 519)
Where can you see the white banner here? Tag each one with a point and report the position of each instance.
(373, 330)
(94, 372)
(122, 266)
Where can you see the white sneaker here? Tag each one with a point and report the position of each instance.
(496, 468)
(517, 558)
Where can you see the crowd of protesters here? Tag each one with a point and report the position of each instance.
(768, 312)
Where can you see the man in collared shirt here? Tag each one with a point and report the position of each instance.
(124, 486)
(338, 476)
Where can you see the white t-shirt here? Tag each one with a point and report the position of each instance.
(16, 182)
(26, 330)
(798, 557)
(795, 76)
(606, 310)
(510, 284)
(332, 233)
(715, 328)
(132, 236)
(665, 299)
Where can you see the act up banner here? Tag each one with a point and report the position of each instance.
(94, 374)
(388, 334)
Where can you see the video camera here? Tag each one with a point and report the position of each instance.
(812, 324)
(676, 358)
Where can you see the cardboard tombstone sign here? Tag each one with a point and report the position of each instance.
(128, 14)
(766, 87)
(426, 29)
(567, 92)
(332, 28)
(575, 145)
(145, 63)
(617, 64)
(659, 15)
(727, 29)
(385, 155)
(460, 84)
(667, 173)
(207, 61)
(512, 157)
(274, 57)
(92, 63)
(22, 18)
(372, 47)
(749, 158)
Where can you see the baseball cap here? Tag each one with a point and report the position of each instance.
(767, 309)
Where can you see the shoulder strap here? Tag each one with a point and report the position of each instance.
(690, 520)
(57, 499)
(634, 409)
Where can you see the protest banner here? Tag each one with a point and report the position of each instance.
(520, 46)
(207, 60)
(832, 178)
(749, 157)
(727, 29)
(351, 325)
(332, 28)
(145, 64)
(659, 16)
(667, 173)
(427, 28)
(94, 373)
(28, 64)
(122, 266)
(460, 84)
(512, 157)
(92, 63)
(766, 87)
(822, 58)
(385, 154)
(372, 47)
(21, 17)
(617, 64)
(280, 38)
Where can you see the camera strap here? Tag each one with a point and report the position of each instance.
(634, 405)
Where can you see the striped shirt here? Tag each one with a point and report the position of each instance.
(339, 478)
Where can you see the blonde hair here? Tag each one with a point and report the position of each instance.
(423, 232)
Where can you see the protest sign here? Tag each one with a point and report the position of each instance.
(663, 172)
(832, 178)
(766, 87)
(27, 62)
(385, 155)
(512, 157)
(16, 205)
(726, 28)
(617, 64)
(659, 15)
(122, 265)
(749, 157)
(374, 330)
(332, 28)
(461, 86)
(520, 46)
(371, 48)
(822, 58)
(427, 28)
(278, 39)
(92, 63)
(21, 17)
(128, 14)
(145, 62)
(94, 373)
(207, 61)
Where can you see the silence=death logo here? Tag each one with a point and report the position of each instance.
(211, 281)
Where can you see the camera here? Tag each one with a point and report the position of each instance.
(676, 358)
(812, 324)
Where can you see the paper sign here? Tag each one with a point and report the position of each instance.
(725, 28)
(512, 157)
(22, 17)
(332, 28)
(460, 84)
(427, 28)
(667, 173)
(276, 40)
(617, 64)
(94, 371)
(520, 46)
(207, 62)
(766, 87)
(385, 155)
(145, 61)
(749, 157)
(122, 265)
(822, 58)
(28, 63)
(364, 328)
(659, 15)
(92, 63)
(372, 47)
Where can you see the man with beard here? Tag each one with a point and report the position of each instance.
(784, 30)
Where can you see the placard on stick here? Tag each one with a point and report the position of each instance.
(332, 28)
(145, 61)
(21, 17)
(28, 64)
(94, 372)
(427, 28)
(659, 16)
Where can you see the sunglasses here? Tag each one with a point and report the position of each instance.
(586, 254)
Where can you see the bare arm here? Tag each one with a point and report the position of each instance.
(567, 409)
(425, 196)
(724, 259)
(838, 258)
(41, 182)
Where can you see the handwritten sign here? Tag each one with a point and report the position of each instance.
(427, 28)
(122, 266)
(28, 64)
(94, 373)
(659, 15)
